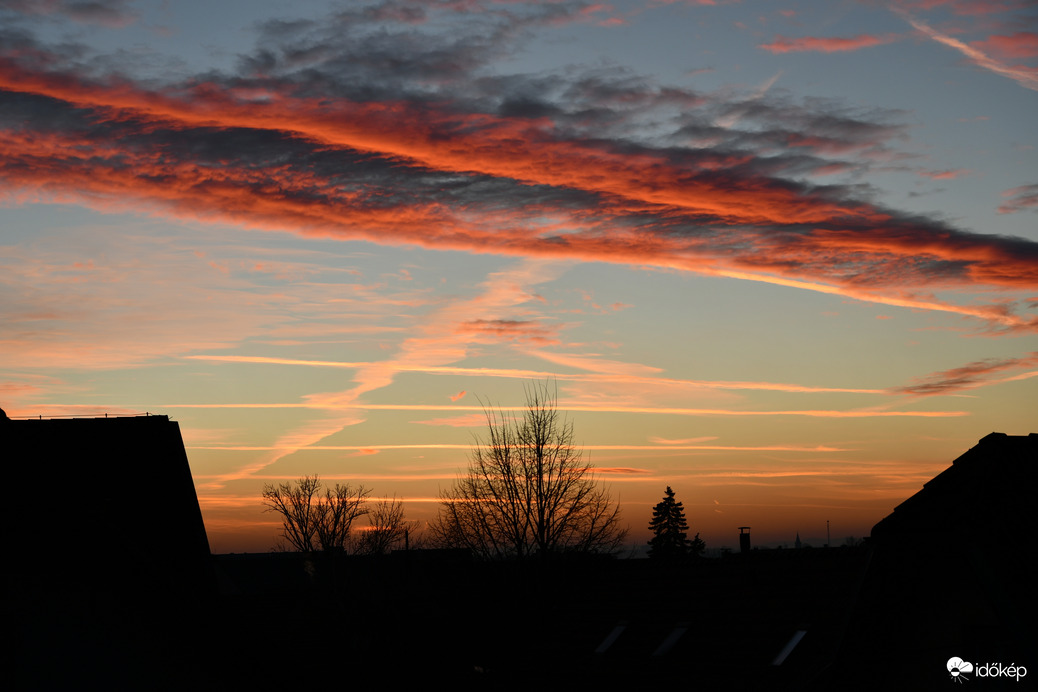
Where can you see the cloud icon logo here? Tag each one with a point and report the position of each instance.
(956, 666)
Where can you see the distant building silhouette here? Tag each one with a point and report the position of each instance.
(744, 539)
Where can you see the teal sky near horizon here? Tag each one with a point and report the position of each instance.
(781, 256)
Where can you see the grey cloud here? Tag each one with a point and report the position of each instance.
(111, 13)
(968, 376)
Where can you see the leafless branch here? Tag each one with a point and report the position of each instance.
(311, 522)
(528, 490)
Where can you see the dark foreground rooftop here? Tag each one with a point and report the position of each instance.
(948, 573)
(953, 572)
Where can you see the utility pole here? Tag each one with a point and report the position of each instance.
(827, 539)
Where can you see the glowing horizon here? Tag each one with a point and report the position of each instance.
(782, 259)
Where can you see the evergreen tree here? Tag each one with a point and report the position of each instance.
(670, 531)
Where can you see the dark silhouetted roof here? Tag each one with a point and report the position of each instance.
(108, 572)
(952, 573)
(987, 490)
(115, 493)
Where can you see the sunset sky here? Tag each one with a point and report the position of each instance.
(781, 256)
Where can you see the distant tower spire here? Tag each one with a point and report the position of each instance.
(797, 544)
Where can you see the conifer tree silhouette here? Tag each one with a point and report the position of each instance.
(670, 531)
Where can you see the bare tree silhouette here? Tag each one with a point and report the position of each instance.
(311, 521)
(528, 490)
(388, 527)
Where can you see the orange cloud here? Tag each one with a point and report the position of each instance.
(334, 403)
(855, 249)
(614, 372)
(521, 149)
(593, 448)
(684, 441)
(826, 45)
(944, 175)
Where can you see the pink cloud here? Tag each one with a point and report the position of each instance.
(471, 420)
(944, 175)
(1023, 75)
(1022, 44)
(682, 441)
(459, 395)
(964, 7)
(1023, 198)
(594, 363)
(18, 388)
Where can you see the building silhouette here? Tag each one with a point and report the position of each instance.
(952, 573)
(109, 584)
(118, 490)
(108, 563)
